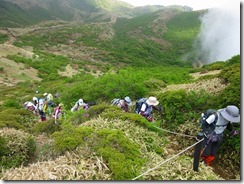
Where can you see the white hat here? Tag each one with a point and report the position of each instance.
(231, 113)
(81, 102)
(45, 94)
(152, 101)
(35, 99)
(128, 100)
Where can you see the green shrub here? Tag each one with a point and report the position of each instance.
(218, 65)
(47, 126)
(20, 148)
(3, 147)
(230, 75)
(12, 104)
(3, 38)
(178, 105)
(154, 84)
(123, 156)
(69, 137)
(17, 118)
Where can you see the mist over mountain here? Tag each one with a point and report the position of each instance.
(219, 38)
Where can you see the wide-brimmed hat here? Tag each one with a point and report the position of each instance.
(152, 101)
(128, 101)
(231, 113)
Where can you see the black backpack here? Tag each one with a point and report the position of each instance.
(208, 128)
(139, 104)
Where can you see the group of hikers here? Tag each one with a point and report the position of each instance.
(213, 123)
(143, 106)
(45, 106)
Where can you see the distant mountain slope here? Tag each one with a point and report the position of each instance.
(161, 37)
(19, 13)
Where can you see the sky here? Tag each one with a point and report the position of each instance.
(195, 4)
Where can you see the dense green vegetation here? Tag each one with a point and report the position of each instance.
(3, 38)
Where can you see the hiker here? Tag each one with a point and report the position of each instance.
(57, 112)
(213, 130)
(39, 106)
(146, 108)
(122, 103)
(80, 104)
(30, 107)
(49, 102)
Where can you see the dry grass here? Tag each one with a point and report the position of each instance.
(76, 165)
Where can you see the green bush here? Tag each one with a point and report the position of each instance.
(20, 148)
(3, 147)
(12, 104)
(123, 156)
(69, 137)
(17, 118)
(154, 84)
(230, 75)
(47, 126)
(177, 105)
(3, 38)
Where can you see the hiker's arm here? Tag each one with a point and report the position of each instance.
(159, 108)
(229, 127)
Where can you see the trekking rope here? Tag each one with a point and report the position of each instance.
(167, 160)
(190, 136)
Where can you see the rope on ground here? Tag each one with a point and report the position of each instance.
(176, 133)
(167, 160)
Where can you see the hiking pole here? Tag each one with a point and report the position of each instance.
(197, 152)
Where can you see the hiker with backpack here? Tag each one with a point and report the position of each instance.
(48, 103)
(39, 103)
(122, 103)
(30, 107)
(57, 112)
(80, 104)
(145, 107)
(213, 124)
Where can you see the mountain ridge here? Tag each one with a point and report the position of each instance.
(18, 13)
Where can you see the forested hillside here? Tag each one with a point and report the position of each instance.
(134, 54)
